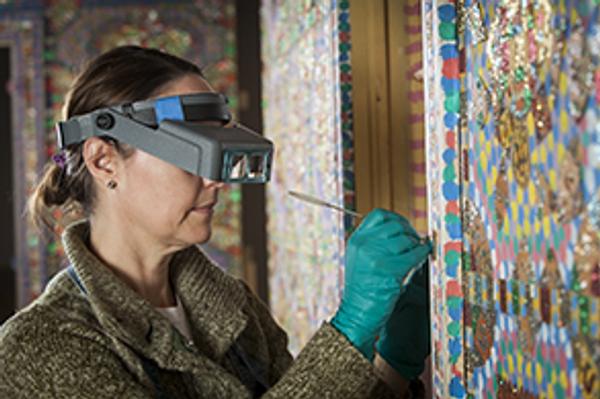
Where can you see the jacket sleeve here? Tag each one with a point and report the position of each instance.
(36, 362)
(328, 366)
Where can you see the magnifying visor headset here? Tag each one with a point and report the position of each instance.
(177, 130)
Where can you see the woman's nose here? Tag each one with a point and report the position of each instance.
(213, 183)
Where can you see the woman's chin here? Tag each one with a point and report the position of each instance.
(203, 240)
(198, 226)
(201, 236)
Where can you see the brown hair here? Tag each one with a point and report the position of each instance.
(123, 74)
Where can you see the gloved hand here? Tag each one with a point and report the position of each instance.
(382, 250)
(404, 342)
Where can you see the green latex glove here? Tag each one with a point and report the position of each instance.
(405, 342)
(379, 254)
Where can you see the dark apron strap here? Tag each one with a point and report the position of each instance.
(250, 372)
(151, 370)
(150, 367)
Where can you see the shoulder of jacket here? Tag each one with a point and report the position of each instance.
(41, 332)
(42, 350)
(32, 326)
(60, 308)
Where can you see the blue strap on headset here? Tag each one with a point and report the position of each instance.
(168, 108)
(150, 367)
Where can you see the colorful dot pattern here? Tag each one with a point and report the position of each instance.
(451, 192)
(442, 95)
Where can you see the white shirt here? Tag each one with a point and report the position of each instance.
(176, 315)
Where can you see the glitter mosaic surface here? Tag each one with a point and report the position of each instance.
(75, 31)
(530, 184)
(302, 95)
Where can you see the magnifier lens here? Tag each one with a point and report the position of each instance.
(256, 166)
(238, 166)
(246, 167)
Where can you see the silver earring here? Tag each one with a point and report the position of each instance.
(111, 184)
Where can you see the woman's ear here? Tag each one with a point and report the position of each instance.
(101, 159)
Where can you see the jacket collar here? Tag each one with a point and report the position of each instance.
(213, 301)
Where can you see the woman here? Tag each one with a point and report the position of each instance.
(143, 313)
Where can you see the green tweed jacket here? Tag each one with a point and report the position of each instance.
(98, 341)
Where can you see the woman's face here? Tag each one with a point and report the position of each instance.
(165, 201)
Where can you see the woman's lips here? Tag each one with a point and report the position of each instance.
(206, 209)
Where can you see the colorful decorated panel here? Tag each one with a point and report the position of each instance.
(523, 95)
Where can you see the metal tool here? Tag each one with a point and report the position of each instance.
(313, 200)
(319, 202)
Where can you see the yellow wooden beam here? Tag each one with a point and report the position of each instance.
(370, 105)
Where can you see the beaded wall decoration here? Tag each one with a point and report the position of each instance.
(414, 77)
(202, 31)
(345, 90)
(529, 183)
(307, 114)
